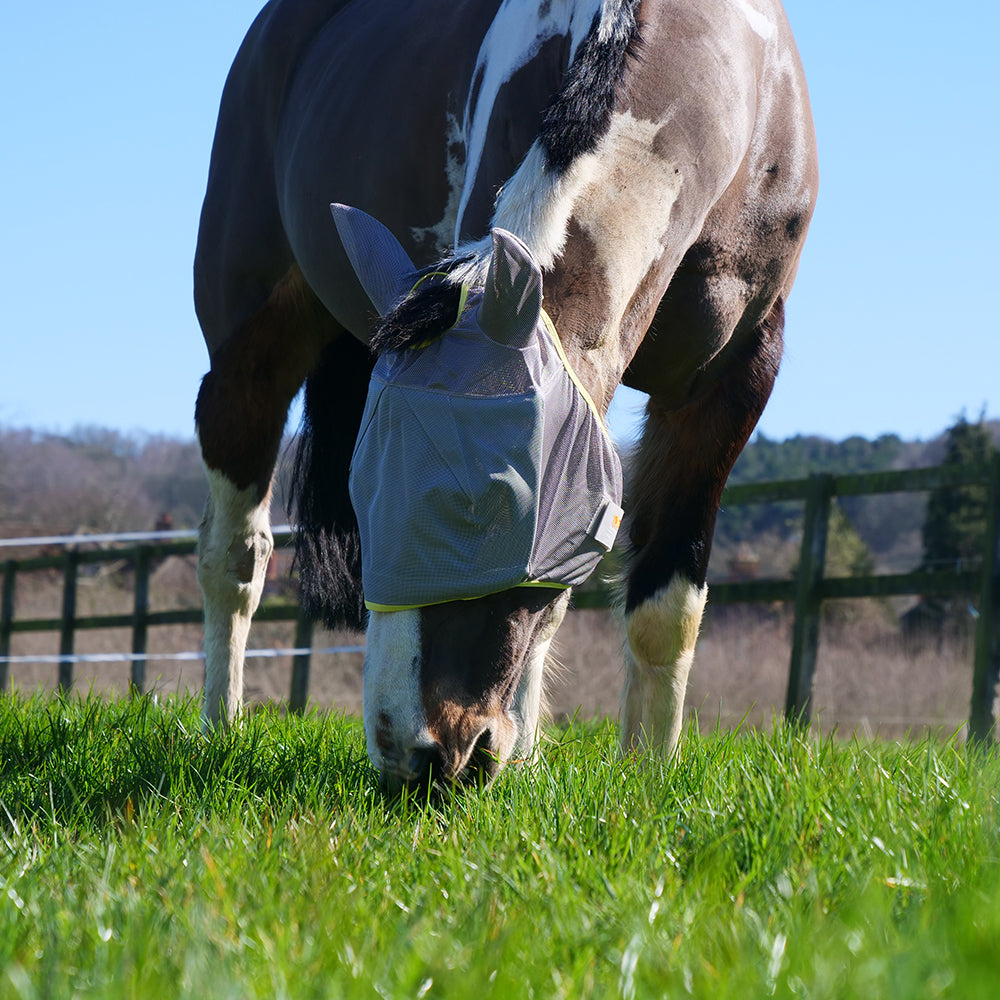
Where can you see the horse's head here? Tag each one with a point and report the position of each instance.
(452, 690)
(485, 487)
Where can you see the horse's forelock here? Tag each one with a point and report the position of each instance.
(422, 316)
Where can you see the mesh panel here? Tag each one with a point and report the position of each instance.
(444, 514)
(479, 467)
(581, 473)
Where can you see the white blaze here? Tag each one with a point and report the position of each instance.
(392, 698)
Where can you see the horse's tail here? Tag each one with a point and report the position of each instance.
(327, 547)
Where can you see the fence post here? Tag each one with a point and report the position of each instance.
(808, 599)
(299, 694)
(68, 623)
(140, 625)
(6, 621)
(987, 657)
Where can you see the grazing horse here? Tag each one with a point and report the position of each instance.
(652, 161)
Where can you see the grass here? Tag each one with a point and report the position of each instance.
(139, 859)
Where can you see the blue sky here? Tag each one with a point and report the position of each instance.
(107, 113)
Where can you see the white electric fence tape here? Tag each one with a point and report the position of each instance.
(250, 654)
(124, 536)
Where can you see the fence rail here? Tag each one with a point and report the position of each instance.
(150, 546)
(807, 592)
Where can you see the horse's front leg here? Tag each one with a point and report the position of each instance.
(670, 531)
(660, 639)
(683, 461)
(240, 416)
(234, 548)
(240, 421)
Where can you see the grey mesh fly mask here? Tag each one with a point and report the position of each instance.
(481, 463)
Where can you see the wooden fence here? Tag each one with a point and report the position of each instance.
(806, 591)
(141, 555)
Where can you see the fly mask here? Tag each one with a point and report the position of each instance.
(482, 463)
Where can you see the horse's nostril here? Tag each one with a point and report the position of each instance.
(425, 763)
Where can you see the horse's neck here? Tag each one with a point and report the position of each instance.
(557, 200)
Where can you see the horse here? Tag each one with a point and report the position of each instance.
(649, 167)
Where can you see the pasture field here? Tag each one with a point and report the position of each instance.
(140, 860)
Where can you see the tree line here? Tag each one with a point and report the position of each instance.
(887, 532)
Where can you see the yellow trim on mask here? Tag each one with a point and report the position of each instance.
(557, 343)
(386, 608)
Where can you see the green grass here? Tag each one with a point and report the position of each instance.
(139, 860)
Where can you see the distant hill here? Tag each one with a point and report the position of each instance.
(96, 480)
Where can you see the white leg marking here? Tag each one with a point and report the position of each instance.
(661, 635)
(527, 706)
(395, 722)
(234, 547)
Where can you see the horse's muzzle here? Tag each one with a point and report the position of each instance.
(437, 767)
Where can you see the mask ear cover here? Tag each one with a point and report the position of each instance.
(383, 267)
(512, 296)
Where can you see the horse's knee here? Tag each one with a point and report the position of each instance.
(232, 573)
(234, 546)
(661, 634)
(665, 627)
